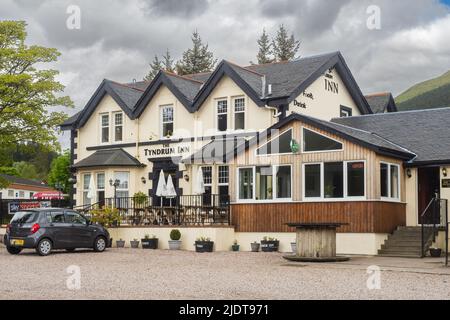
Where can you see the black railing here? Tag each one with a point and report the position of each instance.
(9, 206)
(189, 210)
(433, 219)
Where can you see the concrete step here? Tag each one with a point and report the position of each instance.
(402, 249)
(406, 243)
(399, 251)
(399, 255)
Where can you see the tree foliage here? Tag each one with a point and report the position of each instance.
(155, 66)
(265, 49)
(168, 62)
(196, 59)
(26, 91)
(284, 47)
(26, 170)
(60, 172)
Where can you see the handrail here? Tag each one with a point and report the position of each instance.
(434, 217)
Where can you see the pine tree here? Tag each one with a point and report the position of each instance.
(284, 47)
(196, 59)
(264, 49)
(168, 62)
(155, 66)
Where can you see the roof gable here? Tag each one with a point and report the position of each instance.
(366, 139)
(247, 80)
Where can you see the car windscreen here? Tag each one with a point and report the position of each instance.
(21, 217)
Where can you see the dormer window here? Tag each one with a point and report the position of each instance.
(239, 114)
(166, 122)
(222, 115)
(104, 123)
(118, 126)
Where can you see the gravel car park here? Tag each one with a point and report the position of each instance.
(163, 274)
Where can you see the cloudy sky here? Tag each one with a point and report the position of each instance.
(117, 39)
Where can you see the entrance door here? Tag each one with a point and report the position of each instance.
(428, 186)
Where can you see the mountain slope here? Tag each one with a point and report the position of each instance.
(432, 93)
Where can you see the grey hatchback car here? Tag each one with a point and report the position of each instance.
(45, 229)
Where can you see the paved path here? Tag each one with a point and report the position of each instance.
(162, 274)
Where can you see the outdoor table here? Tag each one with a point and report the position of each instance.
(316, 242)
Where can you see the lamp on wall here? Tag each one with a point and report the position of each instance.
(408, 173)
(444, 172)
(186, 177)
(143, 180)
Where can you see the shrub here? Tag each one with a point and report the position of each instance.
(106, 216)
(139, 198)
(175, 235)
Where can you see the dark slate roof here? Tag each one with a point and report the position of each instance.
(424, 132)
(367, 139)
(381, 102)
(219, 150)
(109, 158)
(18, 180)
(252, 78)
(188, 87)
(288, 80)
(129, 95)
(285, 77)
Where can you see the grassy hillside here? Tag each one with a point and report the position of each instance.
(432, 93)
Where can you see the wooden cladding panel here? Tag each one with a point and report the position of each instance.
(362, 216)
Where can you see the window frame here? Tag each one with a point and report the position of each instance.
(233, 101)
(269, 141)
(84, 189)
(302, 144)
(162, 122)
(217, 101)
(274, 199)
(101, 115)
(345, 109)
(389, 198)
(113, 116)
(322, 197)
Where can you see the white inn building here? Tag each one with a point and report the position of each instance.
(276, 143)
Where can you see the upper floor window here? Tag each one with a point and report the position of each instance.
(104, 123)
(278, 145)
(316, 142)
(166, 121)
(239, 113)
(118, 126)
(345, 112)
(222, 115)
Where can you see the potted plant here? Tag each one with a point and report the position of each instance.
(269, 244)
(139, 198)
(106, 217)
(134, 243)
(235, 246)
(149, 243)
(255, 246)
(294, 247)
(120, 243)
(174, 242)
(203, 244)
(435, 252)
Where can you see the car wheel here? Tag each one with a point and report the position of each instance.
(100, 244)
(13, 250)
(70, 250)
(44, 247)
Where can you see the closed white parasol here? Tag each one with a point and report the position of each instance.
(171, 192)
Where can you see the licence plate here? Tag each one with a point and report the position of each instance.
(17, 242)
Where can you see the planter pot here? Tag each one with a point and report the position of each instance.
(134, 244)
(294, 247)
(270, 246)
(204, 246)
(149, 243)
(120, 243)
(255, 247)
(174, 244)
(235, 247)
(435, 252)
(110, 243)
